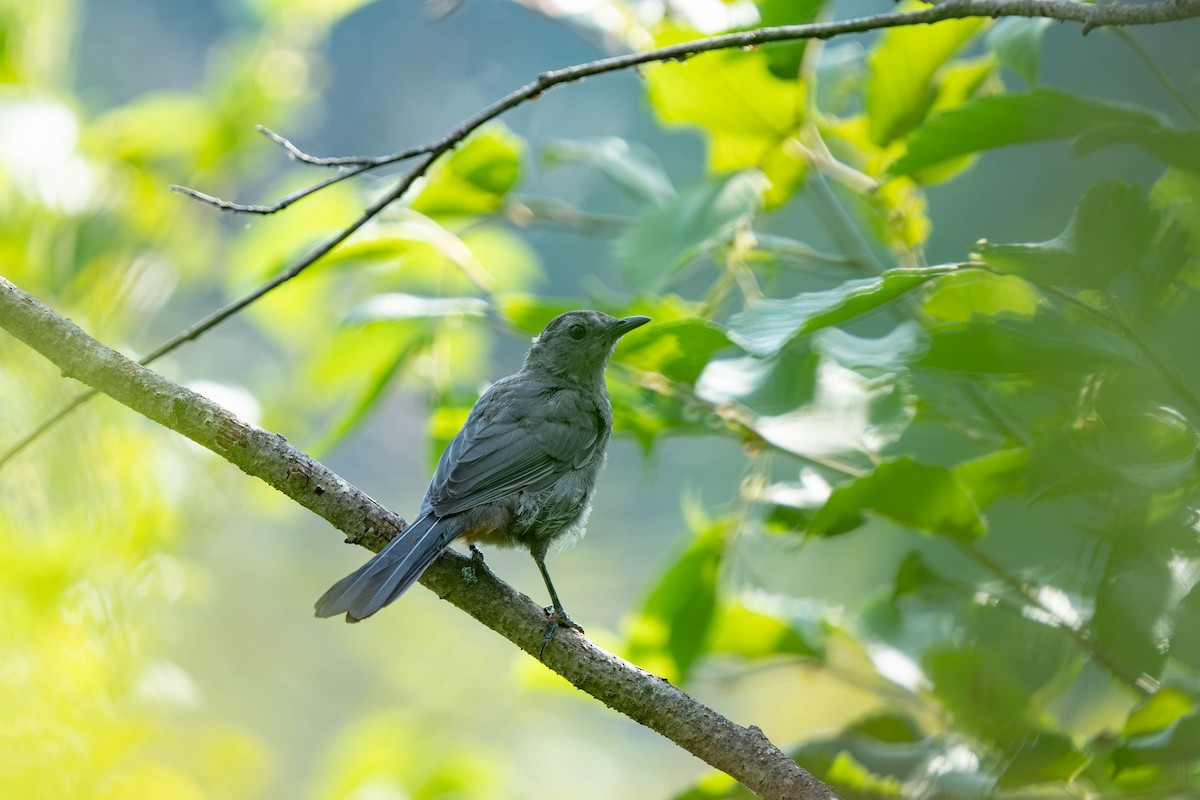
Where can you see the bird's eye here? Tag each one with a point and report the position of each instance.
(576, 332)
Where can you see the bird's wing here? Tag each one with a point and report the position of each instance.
(520, 436)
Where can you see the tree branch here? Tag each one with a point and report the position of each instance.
(744, 753)
(1091, 15)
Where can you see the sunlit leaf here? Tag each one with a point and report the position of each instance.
(474, 178)
(741, 631)
(880, 754)
(849, 775)
(900, 84)
(678, 350)
(1018, 43)
(324, 11)
(749, 117)
(964, 294)
(985, 123)
(698, 220)
(769, 324)
(1160, 710)
(1177, 744)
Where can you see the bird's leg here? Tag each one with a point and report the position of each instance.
(558, 616)
(476, 554)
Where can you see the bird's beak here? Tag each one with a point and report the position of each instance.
(627, 324)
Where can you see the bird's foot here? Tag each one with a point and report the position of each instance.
(558, 619)
(476, 554)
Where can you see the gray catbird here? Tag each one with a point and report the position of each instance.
(520, 473)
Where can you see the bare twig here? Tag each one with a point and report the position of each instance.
(296, 154)
(744, 753)
(1091, 15)
(1159, 74)
(1080, 636)
(360, 165)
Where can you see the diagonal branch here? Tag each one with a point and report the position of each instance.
(1091, 15)
(743, 753)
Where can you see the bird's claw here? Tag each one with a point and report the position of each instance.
(558, 619)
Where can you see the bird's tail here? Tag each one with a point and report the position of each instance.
(385, 577)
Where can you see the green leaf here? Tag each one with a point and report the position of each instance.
(1043, 757)
(475, 178)
(353, 368)
(850, 776)
(915, 575)
(701, 218)
(901, 83)
(1017, 42)
(632, 166)
(673, 626)
(1109, 233)
(769, 324)
(986, 699)
(1172, 147)
(784, 58)
(1177, 744)
(752, 634)
(972, 292)
(749, 117)
(892, 727)
(890, 751)
(985, 123)
(1160, 711)
(938, 500)
(677, 350)
(531, 312)
(1045, 343)
(1185, 629)
(1132, 601)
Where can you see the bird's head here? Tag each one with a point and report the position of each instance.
(577, 344)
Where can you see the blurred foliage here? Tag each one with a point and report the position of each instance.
(1024, 421)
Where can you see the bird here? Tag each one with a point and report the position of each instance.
(520, 473)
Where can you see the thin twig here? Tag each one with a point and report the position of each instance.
(1158, 73)
(1066, 10)
(1115, 321)
(1080, 636)
(360, 165)
(1092, 16)
(296, 154)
